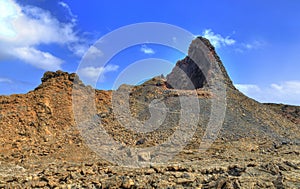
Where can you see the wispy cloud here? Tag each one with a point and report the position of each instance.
(248, 88)
(93, 53)
(37, 58)
(254, 45)
(5, 80)
(93, 74)
(67, 7)
(287, 92)
(24, 28)
(12, 86)
(147, 50)
(218, 40)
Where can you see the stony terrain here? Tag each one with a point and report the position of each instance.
(290, 112)
(258, 145)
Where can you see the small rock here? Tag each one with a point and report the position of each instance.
(40, 184)
(144, 156)
(128, 183)
(185, 180)
(149, 171)
(141, 141)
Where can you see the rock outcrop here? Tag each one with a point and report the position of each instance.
(186, 75)
(43, 147)
(201, 68)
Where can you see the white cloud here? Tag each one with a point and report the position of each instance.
(287, 92)
(247, 88)
(254, 45)
(290, 87)
(78, 49)
(147, 50)
(38, 58)
(217, 40)
(5, 80)
(24, 28)
(34, 26)
(277, 87)
(92, 74)
(93, 53)
(66, 6)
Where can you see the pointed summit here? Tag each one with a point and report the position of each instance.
(201, 68)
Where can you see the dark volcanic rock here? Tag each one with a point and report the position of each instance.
(42, 147)
(201, 68)
(49, 75)
(186, 75)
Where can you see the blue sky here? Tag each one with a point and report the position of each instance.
(258, 41)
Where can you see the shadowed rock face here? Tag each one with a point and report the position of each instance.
(186, 75)
(201, 68)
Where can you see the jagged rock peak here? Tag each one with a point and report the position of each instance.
(59, 74)
(187, 75)
(212, 50)
(59, 79)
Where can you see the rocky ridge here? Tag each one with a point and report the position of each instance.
(41, 146)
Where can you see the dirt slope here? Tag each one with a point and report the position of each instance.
(42, 147)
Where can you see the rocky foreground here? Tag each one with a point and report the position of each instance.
(42, 146)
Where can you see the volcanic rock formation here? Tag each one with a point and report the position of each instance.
(201, 64)
(42, 145)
